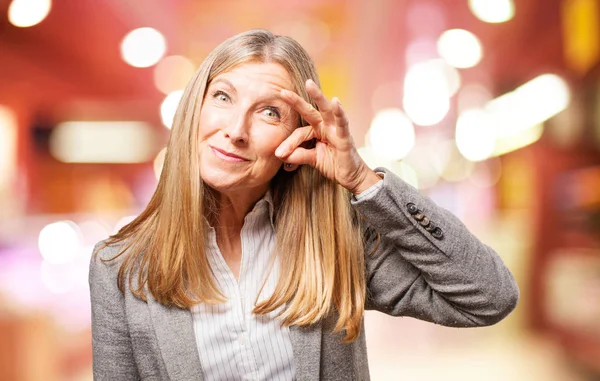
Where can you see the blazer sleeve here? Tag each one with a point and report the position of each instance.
(421, 261)
(111, 345)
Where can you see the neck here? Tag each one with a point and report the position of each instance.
(232, 208)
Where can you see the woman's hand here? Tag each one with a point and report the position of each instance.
(334, 154)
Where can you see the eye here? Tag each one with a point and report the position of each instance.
(221, 96)
(271, 112)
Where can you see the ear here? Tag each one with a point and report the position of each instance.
(289, 167)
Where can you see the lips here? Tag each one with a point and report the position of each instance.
(227, 156)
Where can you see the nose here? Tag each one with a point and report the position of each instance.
(237, 129)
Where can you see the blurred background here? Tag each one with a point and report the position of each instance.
(490, 107)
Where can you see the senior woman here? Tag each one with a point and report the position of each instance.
(268, 237)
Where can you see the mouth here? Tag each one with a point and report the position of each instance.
(227, 156)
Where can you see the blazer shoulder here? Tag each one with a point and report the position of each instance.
(108, 257)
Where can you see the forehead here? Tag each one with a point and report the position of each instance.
(252, 74)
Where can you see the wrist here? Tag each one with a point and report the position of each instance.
(369, 179)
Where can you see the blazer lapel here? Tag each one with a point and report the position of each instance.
(306, 344)
(176, 340)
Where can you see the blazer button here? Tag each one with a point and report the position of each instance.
(437, 233)
(425, 221)
(431, 227)
(412, 208)
(419, 216)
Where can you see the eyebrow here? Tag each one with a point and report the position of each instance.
(225, 82)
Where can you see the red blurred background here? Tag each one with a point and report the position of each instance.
(81, 133)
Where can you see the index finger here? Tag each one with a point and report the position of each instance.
(305, 109)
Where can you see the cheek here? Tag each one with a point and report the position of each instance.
(210, 123)
(272, 142)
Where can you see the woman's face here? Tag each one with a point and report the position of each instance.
(242, 122)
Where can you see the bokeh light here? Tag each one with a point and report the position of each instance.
(173, 73)
(59, 278)
(493, 11)
(143, 47)
(8, 145)
(531, 103)
(519, 114)
(473, 96)
(460, 48)
(426, 93)
(451, 164)
(475, 136)
(391, 134)
(26, 13)
(103, 142)
(60, 242)
(121, 223)
(406, 172)
(168, 107)
(421, 50)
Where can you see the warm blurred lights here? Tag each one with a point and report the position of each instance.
(475, 136)
(473, 96)
(486, 173)
(406, 173)
(451, 75)
(513, 120)
(423, 159)
(460, 48)
(122, 222)
(453, 167)
(159, 161)
(421, 50)
(103, 142)
(173, 73)
(92, 232)
(519, 114)
(391, 134)
(530, 104)
(143, 47)
(8, 146)
(26, 13)
(426, 93)
(519, 140)
(58, 278)
(493, 11)
(387, 94)
(168, 107)
(60, 242)
(373, 159)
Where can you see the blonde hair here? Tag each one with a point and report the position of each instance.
(318, 235)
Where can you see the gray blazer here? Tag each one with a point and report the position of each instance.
(445, 276)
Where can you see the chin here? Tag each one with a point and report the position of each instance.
(220, 180)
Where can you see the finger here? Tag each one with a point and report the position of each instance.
(305, 109)
(301, 156)
(322, 102)
(299, 136)
(342, 126)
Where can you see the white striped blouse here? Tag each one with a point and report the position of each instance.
(234, 343)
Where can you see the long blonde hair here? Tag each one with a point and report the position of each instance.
(318, 235)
